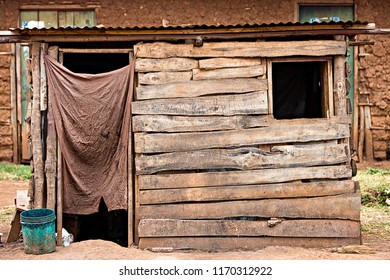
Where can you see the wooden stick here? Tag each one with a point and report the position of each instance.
(130, 172)
(59, 182)
(368, 134)
(51, 153)
(361, 134)
(43, 95)
(355, 123)
(14, 123)
(36, 129)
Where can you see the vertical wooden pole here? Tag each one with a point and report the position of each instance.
(51, 144)
(339, 86)
(368, 134)
(361, 134)
(355, 120)
(43, 93)
(14, 122)
(270, 91)
(36, 129)
(130, 186)
(60, 185)
(18, 100)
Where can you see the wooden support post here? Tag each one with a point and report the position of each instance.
(339, 86)
(14, 112)
(43, 92)
(51, 145)
(368, 134)
(130, 172)
(355, 122)
(59, 181)
(361, 134)
(36, 129)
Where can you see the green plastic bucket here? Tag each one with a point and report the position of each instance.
(38, 229)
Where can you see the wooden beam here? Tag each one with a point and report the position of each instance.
(200, 88)
(244, 243)
(223, 105)
(163, 123)
(229, 73)
(243, 49)
(217, 63)
(242, 228)
(346, 207)
(165, 64)
(158, 78)
(280, 133)
(244, 158)
(265, 176)
(36, 129)
(226, 193)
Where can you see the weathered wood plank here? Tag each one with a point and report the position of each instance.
(281, 133)
(245, 243)
(265, 176)
(158, 78)
(284, 228)
(36, 135)
(346, 206)
(223, 105)
(165, 65)
(51, 150)
(200, 88)
(226, 193)
(163, 123)
(243, 49)
(229, 73)
(244, 158)
(216, 63)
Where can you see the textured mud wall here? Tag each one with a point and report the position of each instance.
(377, 73)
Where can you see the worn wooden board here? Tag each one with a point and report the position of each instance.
(243, 49)
(164, 123)
(244, 158)
(283, 132)
(223, 105)
(226, 193)
(200, 88)
(244, 243)
(217, 63)
(229, 73)
(165, 65)
(284, 228)
(158, 78)
(346, 207)
(231, 178)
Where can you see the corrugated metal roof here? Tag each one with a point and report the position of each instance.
(288, 25)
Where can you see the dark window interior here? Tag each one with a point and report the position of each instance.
(297, 90)
(94, 63)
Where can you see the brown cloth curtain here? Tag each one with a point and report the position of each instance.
(92, 117)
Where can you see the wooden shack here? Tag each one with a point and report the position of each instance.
(240, 135)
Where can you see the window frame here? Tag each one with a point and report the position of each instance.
(327, 78)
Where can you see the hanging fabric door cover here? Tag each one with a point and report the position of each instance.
(92, 116)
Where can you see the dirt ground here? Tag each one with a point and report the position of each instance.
(374, 247)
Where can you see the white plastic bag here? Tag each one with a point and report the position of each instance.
(67, 238)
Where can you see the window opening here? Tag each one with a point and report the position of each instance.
(299, 90)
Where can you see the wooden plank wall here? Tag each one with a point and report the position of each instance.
(216, 171)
